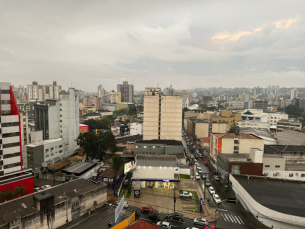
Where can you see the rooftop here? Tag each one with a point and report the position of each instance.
(125, 140)
(79, 168)
(258, 132)
(206, 139)
(233, 135)
(156, 160)
(44, 142)
(291, 137)
(272, 149)
(157, 141)
(142, 224)
(236, 155)
(276, 194)
(266, 155)
(64, 163)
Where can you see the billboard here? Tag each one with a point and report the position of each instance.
(129, 166)
(83, 128)
(119, 209)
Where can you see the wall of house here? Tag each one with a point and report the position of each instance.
(202, 130)
(255, 169)
(245, 145)
(270, 163)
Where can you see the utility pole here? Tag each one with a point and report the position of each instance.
(174, 199)
(54, 176)
(204, 188)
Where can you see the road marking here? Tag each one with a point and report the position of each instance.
(227, 217)
(240, 220)
(223, 217)
(237, 219)
(231, 218)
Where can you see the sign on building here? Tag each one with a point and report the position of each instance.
(129, 166)
(119, 209)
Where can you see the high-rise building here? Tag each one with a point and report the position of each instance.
(162, 116)
(127, 92)
(186, 98)
(60, 119)
(244, 97)
(169, 91)
(43, 92)
(12, 173)
(294, 93)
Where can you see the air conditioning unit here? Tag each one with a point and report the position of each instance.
(150, 93)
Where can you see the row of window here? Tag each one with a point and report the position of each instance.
(277, 166)
(8, 124)
(5, 101)
(52, 154)
(11, 165)
(10, 135)
(10, 145)
(11, 155)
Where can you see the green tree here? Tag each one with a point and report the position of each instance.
(89, 142)
(106, 141)
(203, 106)
(127, 120)
(211, 108)
(140, 108)
(116, 164)
(234, 129)
(7, 194)
(294, 111)
(19, 191)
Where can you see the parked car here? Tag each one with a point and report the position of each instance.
(211, 190)
(125, 204)
(185, 194)
(37, 189)
(175, 216)
(231, 199)
(147, 210)
(203, 176)
(153, 217)
(165, 225)
(217, 199)
(197, 177)
(125, 182)
(192, 228)
(196, 174)
(200, 156)
(199, 170)
(207, 183)
(205, 162)
(113, 204)
(216, 178)
(44, 187)
(201, 221)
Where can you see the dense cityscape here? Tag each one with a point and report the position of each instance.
(152, 114)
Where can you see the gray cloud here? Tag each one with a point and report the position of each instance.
(187, 44)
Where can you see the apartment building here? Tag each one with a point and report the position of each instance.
(60, 119)
(226, 116)
(127, 92)
(275, 117)
(186, 98)
(162, 116)
(288, 124)
(38, 92)
(261, 104)
(232, 143)
(11, 165)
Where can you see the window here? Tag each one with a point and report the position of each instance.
(235, 169)
(10, 145)
(47, 155)
(236, 142)
(145, 147)
(75, 205)
(60, 151)
(60, 146)
(52, 148)
(47, 150)
(277, 166)
(52, 154)
(236, 148)
(267, 166)
(9, 124)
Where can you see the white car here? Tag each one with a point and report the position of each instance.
(185, 194)
(197, 177)
(216, 198)
(44, 187)
(192, 228)
(211, 190)
(164, 224)
(37, 189)
(201, 221)
(199, 170)
(196, 174)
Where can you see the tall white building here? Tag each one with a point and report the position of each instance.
(43, 92)
(294, 93)
(162, 115)
(244, 97)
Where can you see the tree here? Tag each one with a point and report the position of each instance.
(203, 106)
(88, 141)
(234, 129)
(116, 164)
(211, 108)
(7, 194)
(19, 191)
(294, 111)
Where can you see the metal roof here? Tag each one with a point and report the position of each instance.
(291, 137)
(279, 195)
(79, 168)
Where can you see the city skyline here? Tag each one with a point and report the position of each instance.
(202, 44)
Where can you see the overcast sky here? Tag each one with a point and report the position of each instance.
(184, 43)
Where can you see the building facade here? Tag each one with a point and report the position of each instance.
(127, 92)
(288, 124)
(38, 92)
(158, 147)
(162, 116)
(226, 116)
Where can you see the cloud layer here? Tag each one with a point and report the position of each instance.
(186, 44)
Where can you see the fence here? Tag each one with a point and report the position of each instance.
(61, 177)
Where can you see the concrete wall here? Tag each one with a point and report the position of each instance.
(151, 117)
(272, 162)
(35, 156)
(287, 175)
(54, 121)
(220, 128)
(245, 145)
(202, 130)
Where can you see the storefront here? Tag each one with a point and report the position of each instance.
(166, 184)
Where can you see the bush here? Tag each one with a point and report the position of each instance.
(185, 176)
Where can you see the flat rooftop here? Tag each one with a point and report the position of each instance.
(44, 142)
(279, 195)
(233, 135)
(283, 148)
(79, 168)
(157, 141)
(266, 155)
(156, 160)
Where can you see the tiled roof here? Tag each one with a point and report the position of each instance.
(141, 224)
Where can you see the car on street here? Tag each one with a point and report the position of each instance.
(205, 162)
(113, 204)
(185, 194)
(211, 190)
(207, 183)
(217, 199)
(197, 177)
(200, 222)
(192, 228)
(165, 225)
(196, 174)
(147, 210)
(200, 156)
(203, 176)
(153, 217)
(44, 187)
(216, 178)
(199, 170)
(125, 204)
(175, 216)
(37, 189)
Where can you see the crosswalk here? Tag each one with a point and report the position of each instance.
(232, 218)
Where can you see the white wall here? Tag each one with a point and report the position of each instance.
(287, 175)
(136, 128)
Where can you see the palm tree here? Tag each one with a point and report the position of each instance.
(20, 191)
(116, 164)
(7, 194)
